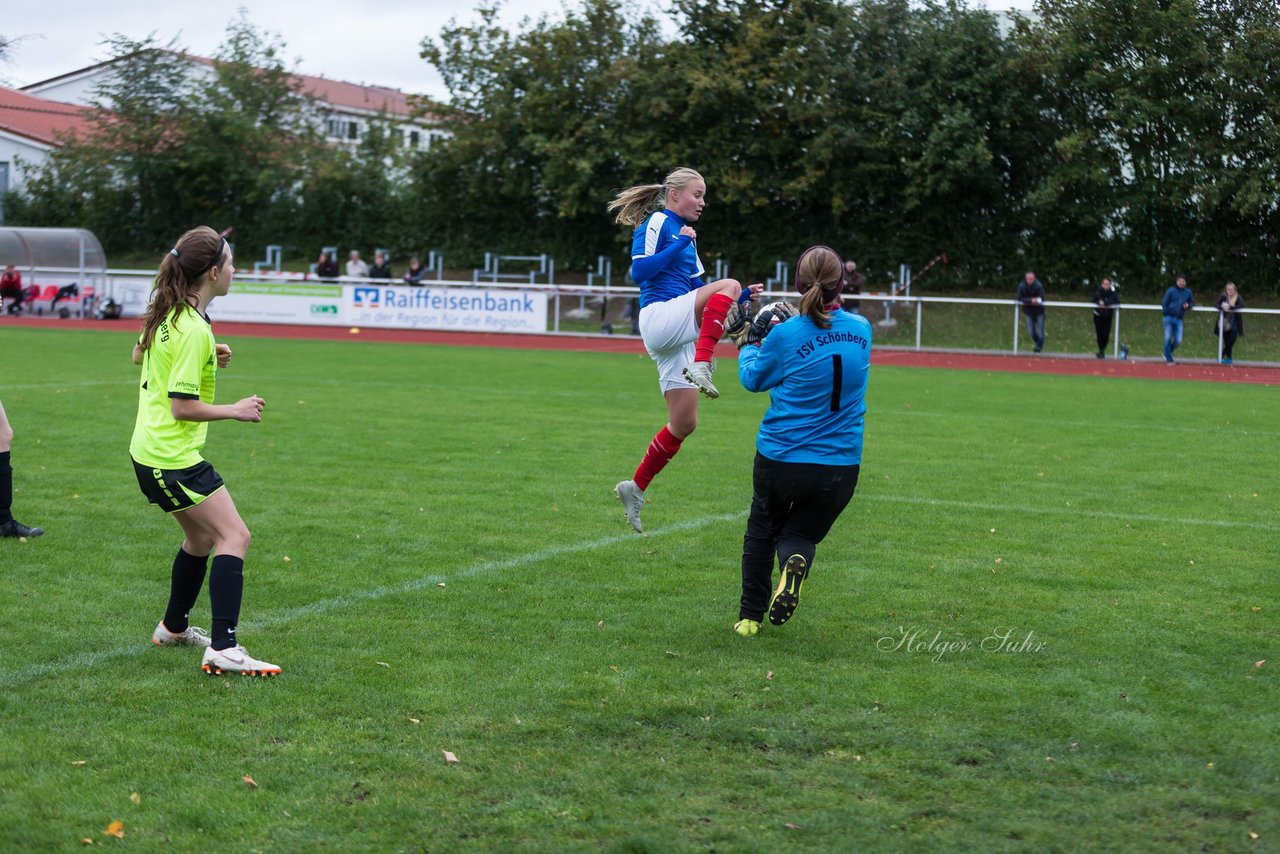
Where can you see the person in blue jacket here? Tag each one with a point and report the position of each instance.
(809, 447)
(1176, 303)
(681, 319)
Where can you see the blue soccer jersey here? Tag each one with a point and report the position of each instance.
(664, 263)
(817, 384)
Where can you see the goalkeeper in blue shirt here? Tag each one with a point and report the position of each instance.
(809, 448)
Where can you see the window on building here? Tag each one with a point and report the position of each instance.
(353, 130)
(414, 139)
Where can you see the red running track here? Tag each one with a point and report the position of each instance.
(1130, 369)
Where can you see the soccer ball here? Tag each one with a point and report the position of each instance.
(771, 315)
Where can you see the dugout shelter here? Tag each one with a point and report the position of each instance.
(52, 259)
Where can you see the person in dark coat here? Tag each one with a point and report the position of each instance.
(327, 266)
(1176, 303)
(1230, 323)
(416, 272)
(1031, 295)
(1106, 299)
(853, 282)
(381, 269)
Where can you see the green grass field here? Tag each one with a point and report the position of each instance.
(439, 565)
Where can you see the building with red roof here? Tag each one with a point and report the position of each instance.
(30, 128)
(346, 110)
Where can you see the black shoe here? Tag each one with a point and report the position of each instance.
(787, 596)
(14, 528)
(1101, 355)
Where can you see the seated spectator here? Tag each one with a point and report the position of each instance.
(380, 269)
(416, 272)
(11, 289)
(326, 267)
(357, 268)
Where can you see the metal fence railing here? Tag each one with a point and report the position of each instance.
(893, 315)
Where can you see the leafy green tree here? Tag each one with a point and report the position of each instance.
(118, 179)
(360, 198)
(249, 136)
(546, 123)
(1166, 136)
(938, 145)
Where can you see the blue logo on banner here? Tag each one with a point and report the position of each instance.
(365, 297)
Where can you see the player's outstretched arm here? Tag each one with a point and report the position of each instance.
(248, 409)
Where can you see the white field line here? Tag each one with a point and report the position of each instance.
(86, 660)
(1066, 511)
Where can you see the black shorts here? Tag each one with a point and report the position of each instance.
(177, 489)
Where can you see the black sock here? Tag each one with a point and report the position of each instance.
(226, 585)
(184, 587)
(6, 487)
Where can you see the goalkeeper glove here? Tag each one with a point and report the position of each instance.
(770, 316)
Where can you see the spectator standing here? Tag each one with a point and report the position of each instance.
(1031, 295)
(380, 269)
(416, 272)
(1230, 323)
(11, 289)
(356, 268)
(327, 267)
(9, 526)
(1176, 303)
(853, 282)
(1106, 299)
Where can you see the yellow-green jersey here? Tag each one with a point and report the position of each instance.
(179, 363)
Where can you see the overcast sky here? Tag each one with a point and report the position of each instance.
(361, 41)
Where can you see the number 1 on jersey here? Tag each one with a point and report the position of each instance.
(837, 380)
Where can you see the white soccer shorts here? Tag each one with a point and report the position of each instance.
(670, 333)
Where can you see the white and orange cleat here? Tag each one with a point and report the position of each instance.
(235, 659)
(699, 374)
(193, 636)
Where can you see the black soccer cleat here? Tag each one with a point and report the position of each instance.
(787, 596)
(14, 528)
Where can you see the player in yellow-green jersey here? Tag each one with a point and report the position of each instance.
(180, 361)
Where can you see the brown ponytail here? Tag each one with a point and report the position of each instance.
(181, 273)
(819, 279)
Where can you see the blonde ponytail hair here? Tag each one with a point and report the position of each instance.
(181, 273)
(633, 204)
(819, 279)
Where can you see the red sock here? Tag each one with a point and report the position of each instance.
(712, 329)
(661, 450)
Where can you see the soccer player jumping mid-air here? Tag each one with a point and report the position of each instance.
(681, 319)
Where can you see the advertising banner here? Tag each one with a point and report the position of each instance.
(385, 306)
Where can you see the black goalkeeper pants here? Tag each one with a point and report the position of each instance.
(793, 506)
